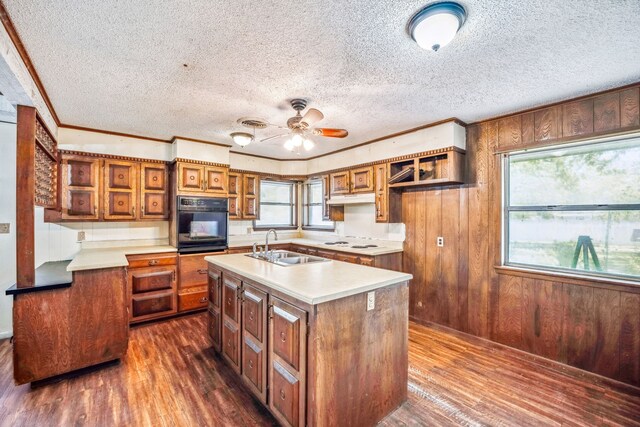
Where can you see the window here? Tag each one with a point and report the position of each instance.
(313, 206)
(277, 205)
(575, 208)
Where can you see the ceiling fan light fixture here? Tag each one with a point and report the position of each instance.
(296, 140)
(288, 145)
(242, 138)
(437, 24)
(308, 144)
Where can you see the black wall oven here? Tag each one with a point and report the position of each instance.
(202, 224)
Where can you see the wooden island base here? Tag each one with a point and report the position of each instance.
(332, 363)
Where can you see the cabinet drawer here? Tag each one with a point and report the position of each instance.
(156, 304)
(253, 365)
(353, 259)
(193, 301)
(214, 327)
(151, 279)
(285, 395)
(193, 270)
(151, 260)
(230, 343)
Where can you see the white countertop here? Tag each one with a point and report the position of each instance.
(311, 283)
(92, 259)
(379, 250)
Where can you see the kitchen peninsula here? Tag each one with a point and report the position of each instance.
(318, 343)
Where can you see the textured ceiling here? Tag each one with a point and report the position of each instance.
(118, 65)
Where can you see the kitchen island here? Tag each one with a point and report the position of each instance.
(317, 343)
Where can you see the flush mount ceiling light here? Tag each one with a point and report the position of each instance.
(437, 24)
(242, 138)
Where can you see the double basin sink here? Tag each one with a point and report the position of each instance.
(288, 258)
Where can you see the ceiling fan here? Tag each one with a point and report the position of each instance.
(300, 127)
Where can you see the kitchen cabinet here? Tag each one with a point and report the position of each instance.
(437, 167)
(381, 192)
(193, 281)
(254, 339)
(287, 362)
(215, 307)
(244, 196)
(96, 188)
(203, 180)
(151, 286)
(154, 198)
(120, 189)
(80, 188)
(392, 261)
(231, 288)
(353, 181)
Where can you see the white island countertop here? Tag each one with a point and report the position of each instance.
(313, 283)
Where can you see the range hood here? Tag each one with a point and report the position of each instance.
(353, 199)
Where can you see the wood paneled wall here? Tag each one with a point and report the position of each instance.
(582, 323)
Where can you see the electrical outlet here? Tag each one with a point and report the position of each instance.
(5, 228)
(440, 241)
(371, 300)
(81, 236)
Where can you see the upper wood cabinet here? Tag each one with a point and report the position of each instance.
(120, 189)
(153, 191)
(352, 181)
(244, 196)
(205, 180)
(381, 191)
(80, 188)
(235, 195)
(107, 189)
(361, 180)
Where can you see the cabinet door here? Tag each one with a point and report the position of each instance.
(361, 180)
(215, 287)
(231, 343)
(230, 297)
(154, 203)
(254, 322)
(190, 178)
(215, 180)
(381, 191)
(193, 271)
(250, 196)
(231, 335)
(235, 196)
(339, 182)
(287, 362)
(326, 212)
(215, 328)
(80, 186)
(120, 189)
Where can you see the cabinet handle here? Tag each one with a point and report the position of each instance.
(142, 209)
(202, 271)
(134, 211)
(202, 184)
(206, 184)
(203, 299)
(270, 311)
(153, 262)
(174, 275)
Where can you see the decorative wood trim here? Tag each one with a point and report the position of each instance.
(555, 104)
(108, 132)
(111, 157)
(184, 138)
(199, 162)
(24, 55)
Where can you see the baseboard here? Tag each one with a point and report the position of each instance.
(6, 334)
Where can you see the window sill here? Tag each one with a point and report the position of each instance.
(275, 228)
(332, 229)
(574, 279)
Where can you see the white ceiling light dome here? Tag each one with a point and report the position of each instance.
(437, 24)
(242, 138)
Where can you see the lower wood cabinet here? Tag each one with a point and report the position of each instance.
(192, 283)
(254, 345)
(231, 289)
(215, 307)
(151, 286)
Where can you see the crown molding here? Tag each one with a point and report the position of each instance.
(111, 157)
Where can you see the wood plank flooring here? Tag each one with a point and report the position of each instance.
(171, 377)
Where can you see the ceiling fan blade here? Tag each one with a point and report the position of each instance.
(331, 133)
(275, 125)
(312, 117)
(274, 137)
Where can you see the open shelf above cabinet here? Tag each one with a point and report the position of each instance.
(442, 167)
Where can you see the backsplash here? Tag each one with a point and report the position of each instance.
(360, 222)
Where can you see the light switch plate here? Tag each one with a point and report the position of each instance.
(81, 236)
(5, 228)
(440, 241)
(371, 300)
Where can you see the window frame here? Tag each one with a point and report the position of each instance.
(506, 209)
(294, 206)
(306, 204)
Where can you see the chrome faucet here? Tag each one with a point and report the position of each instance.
(266, 241)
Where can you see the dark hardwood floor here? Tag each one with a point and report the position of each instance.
(171, 377)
